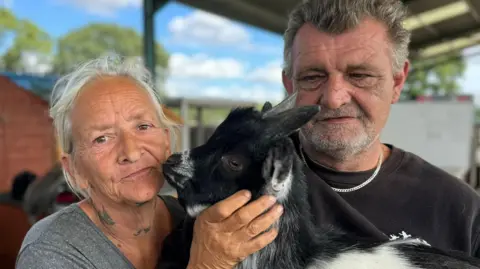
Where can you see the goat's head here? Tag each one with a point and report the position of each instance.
(249, 150)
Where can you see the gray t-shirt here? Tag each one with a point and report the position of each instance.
(69, 239)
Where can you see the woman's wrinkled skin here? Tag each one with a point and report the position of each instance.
(119, 146)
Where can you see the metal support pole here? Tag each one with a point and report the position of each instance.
(148, 36)
(185, 127)
(200, 139)
(473, 179)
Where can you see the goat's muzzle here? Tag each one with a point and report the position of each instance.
(174, 159)
(177, 171)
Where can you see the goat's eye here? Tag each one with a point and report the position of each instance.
(232, 163)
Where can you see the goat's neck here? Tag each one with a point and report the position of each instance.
(294, 241)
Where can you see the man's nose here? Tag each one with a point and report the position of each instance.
(335, 93)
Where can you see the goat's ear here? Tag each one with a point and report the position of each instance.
(289, 121)
(277, 168)
(266, 107)
(285, 105)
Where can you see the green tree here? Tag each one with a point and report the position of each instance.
(438, 76)
(95, 39)
(8, 24)
(29, 38)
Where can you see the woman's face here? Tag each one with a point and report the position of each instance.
(119, 142)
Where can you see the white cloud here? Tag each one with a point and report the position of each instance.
(207, 28)
(198, 76)
(269, 73)
(202, 66)
(203, 28)
(256, 93)
(471, 81)
(103, 7)
(6, 3)
(35, 63)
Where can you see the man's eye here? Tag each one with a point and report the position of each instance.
(310, 78)
(359, 75)
(314, 77)
(311, 82)
(362, 80)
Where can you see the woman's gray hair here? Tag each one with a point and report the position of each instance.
(68, 87)
(338, 16)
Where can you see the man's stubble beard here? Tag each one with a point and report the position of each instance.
(337, 141)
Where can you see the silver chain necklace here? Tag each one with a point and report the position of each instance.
(365, 183)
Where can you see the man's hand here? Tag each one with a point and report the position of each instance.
(226, 233)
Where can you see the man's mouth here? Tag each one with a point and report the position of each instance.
(339, 119)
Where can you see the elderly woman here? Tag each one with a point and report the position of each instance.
(114, 137)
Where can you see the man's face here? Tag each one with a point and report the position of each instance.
(350, 76)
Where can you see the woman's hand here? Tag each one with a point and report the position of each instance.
(223, 236)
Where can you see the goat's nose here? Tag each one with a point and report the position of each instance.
(174, 159)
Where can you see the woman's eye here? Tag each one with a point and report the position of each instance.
(144, 126)
(100, 139)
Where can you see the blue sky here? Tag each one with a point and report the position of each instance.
(210, 56)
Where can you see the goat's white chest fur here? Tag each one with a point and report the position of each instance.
(381, 258)
(249, 263)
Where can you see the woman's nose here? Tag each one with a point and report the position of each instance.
(131, 152)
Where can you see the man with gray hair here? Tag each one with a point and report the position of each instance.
(351, 58)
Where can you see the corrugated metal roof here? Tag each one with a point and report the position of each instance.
(432, 21)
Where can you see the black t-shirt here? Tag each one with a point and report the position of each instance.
(408, 194)
(176, 211)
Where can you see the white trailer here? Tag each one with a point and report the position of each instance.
(439, 129)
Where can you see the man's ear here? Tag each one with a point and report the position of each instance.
(399, 81)
(287, 83)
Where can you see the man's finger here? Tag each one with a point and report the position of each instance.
(223, 209)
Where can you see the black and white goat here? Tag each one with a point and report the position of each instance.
(252, 150)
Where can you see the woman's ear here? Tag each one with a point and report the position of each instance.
(69, 166)
(66, 161)
(167, 143)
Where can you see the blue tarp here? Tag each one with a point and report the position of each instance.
(40, 85)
